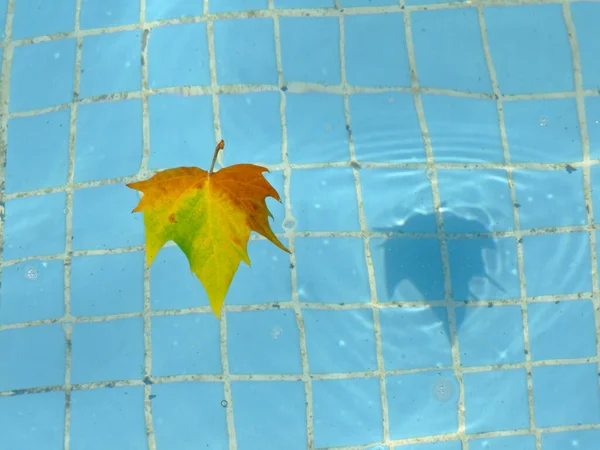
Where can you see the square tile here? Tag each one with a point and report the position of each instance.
(340, 341)
(483, 269)
(463, 129)
(595, 188)
(490, 336)
(108, 13)
(530, 48)
(439, 445)
(347, 412)
(33, 420)
(174, 9)
(108, 351)
(102, 285)
(316, 128)
(185, 345)
(480, 196)
(562, 330)
(384, 32)
(523, 442)
(38, 151)
(189, 415)
(585, 16)
(566, 395)
(548, 272)
(580, 439)
(263, 342)
(108, 418)
(415, 338)
(332, 270)
(251, 126)
(496, 401)
(592, 110)
(310, 49)
(34, 226)
(262, 420)
(103, 218)
(422, 404)
(385, 128)
(42, 75)
(45, 348)
(316, 207)
(407, 269)
(245, 51)
(32, 290)
(543, 131)
(40, 18)
(178, 56)
(398, 200)
(182, 131)
(449, 50)
(110, 63)
(237, 5)
(109, 140)
(303, 4)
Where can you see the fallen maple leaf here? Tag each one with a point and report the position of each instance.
(210, 216)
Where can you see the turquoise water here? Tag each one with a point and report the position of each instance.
(439, 168)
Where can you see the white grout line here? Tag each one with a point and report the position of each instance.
(441, 236)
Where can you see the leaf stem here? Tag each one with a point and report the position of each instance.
(220, 146)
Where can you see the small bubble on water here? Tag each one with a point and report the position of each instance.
(289, 223)
(224, 403)
(31, 273)
(429, 173)
(443, 389)
(543, 121)
(67, 326)
(276, 332)
(66, 211)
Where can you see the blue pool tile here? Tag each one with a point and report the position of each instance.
(189, 415)
(39, 18)
(108, 351)
(108, 13)
(422, 404)
(463, 129)
(32, 290)
(331, 270)
(185, 344)
(496, 401)
(33, 421)
(595, 185)
(263, 421)
(503, 330)
(415, 338)
(178, 56)
(566, 395)
(29, 162)
(562, 330)
(543, 131)
(237, 5)
(181, 131)
(483, 269)
(550, 198)
(109, 140)
(44, 365)
(385, 128)
(103, 218)
(316, 196)
(34, 226)
(530, 48)
(580, 439)
(110, 63)
(340, 341)
(440, 445)
(562, 258)
(310, 49)
(265, 342)
(108, 418)
(585, 16)
(397, 200)
(481, 196)
(245, 51)
(407, 269)
(251, 127)
(449, 50)
(296, 4)
(592, 109)
(107, 284)
(385, 32)
(174, 9)
(523, 442)
(42, 75)
(347, 412)
(316, 128)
